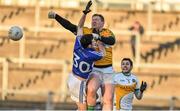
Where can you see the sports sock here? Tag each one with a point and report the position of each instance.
(90, 108)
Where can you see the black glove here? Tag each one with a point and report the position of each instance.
(51, 15)
(143, 86)
(87, 10)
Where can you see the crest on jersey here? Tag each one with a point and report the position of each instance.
(133, 80)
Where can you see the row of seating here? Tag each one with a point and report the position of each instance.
(3, 41)
(161, 78)
(29, 82)
(113, 18)
(12, 13)
(162, 47)
(49, 49)
(169, 25)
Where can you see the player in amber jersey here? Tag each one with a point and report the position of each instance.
(126, 86)
(107, 37)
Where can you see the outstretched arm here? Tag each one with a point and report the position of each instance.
(64, 22)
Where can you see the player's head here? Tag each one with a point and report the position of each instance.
(126, 65)
(97, 21)
(86, 40)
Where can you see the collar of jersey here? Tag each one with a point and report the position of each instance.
(126, 74)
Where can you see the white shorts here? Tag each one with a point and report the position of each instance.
(77, 89)
(105, 74)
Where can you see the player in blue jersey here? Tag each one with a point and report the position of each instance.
(84, 56)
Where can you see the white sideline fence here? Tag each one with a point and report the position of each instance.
(5, 74)
(5, 65)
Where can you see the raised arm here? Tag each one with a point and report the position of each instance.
(81, 24)
(83, 18)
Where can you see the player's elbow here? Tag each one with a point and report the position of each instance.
(108, 41)
(104, 54)
(113, 41)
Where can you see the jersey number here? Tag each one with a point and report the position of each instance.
(81, 64)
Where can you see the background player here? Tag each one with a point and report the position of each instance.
(126, 85)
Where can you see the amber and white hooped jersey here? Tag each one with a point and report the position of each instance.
(125, 85)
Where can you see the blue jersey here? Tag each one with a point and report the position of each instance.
(83, 59)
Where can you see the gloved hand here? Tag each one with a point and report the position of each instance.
(96, 36)
(51, 15)
(143, 86)
(87, 10)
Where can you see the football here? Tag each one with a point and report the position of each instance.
(15, 33)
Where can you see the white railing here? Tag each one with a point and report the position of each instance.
(62, 88)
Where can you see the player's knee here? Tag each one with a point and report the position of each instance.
(108, 100)
(91, 91)
(91, 88)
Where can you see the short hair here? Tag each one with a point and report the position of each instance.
(127, 59)
(99, 15)
(86, 40)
